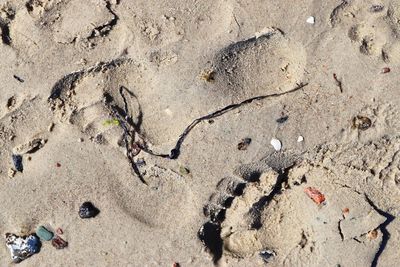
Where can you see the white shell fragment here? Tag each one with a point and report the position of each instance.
(300, 139)
(276, 144)
(310, 20)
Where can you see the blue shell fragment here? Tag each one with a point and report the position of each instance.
(17, 160)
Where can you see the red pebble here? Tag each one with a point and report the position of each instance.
(58, 165)
(315, 195)
(385, 70)
(176, 264)
(59, 243)
(59, 231)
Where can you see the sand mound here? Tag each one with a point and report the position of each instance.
(242, 69)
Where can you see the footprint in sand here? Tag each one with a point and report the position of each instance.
(374, 28)
(73, 19)
(165, 202)
(267, 216)
(80, 99)
(258, 66)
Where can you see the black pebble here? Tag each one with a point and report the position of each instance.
(17, 160)
(282, 119)
(88, 210)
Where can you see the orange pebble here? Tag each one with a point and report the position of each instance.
(315, 195)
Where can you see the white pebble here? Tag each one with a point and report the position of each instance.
(310, 20)
(276, 144)
(300, 139)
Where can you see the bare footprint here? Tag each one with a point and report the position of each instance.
(274, 220)
(71, 20)
(166, 200)
(258, 66)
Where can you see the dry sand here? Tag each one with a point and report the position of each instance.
(68, 66)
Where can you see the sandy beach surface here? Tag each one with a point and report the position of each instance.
(207, 133)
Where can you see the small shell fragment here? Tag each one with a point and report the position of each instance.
(11, 173)
(315, 195)
(372, 234)
(300, 139)
(310, 20)
(276, 144)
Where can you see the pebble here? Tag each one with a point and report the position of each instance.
(59, 231)
(282, 119)
(315, 195)
(361, 123)
(17, 160)
(59, 243)
(244, 143)
(22, 248)
(44, 234)
(276, 144)
(310, 20)
(266, 255)
(300, 139)
(376, 8)
(88, 210)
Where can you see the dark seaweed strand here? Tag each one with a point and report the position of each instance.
(175, 152)
(126, 120)
(128, 135)
(136, 127)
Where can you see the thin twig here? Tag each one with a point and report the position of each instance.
(338, 82)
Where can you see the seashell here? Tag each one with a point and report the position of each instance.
(310, 20)
(276, 144)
